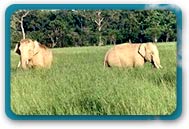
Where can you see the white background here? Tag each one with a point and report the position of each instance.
(181, 123)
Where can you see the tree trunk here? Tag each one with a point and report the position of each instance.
(22, 28)
(155, 39)
(100, 43)
(167, 37)
(21, 24)
(99, 21)
(114, 42)
(130, 41)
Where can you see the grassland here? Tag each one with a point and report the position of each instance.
(78, 84)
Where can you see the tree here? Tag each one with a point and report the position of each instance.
(16, 20)
(169, 26)
(153, 21)
(62, 28)
(99, 22)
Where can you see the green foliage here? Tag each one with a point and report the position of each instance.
(78, 84)
(78, 27)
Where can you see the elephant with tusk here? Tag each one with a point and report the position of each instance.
(132, 55)
(33, 54)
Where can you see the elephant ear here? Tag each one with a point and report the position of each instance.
(142, 50)
(36, 47)
(16, 49)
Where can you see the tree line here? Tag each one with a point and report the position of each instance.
(63, 28)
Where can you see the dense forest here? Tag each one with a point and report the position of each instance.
(62, 28)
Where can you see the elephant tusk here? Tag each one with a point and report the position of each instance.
(19, 63)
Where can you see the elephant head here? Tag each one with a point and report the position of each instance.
(26, 49)
(150, 53)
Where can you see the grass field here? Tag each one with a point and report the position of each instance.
(78, 84)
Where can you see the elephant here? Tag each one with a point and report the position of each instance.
(132, 55)
(33, 54)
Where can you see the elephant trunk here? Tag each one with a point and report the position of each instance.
(24, 63)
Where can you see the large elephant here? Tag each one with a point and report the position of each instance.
(33, 54)
(132, 55)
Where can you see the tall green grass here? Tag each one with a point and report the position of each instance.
(78, 84)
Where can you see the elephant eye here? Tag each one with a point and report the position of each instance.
(29, 50)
